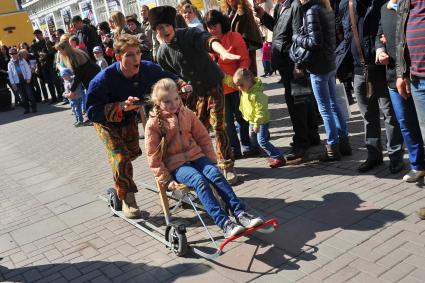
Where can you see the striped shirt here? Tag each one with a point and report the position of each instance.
(415, 37)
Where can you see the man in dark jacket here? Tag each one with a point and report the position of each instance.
(371, 92)
(86, 34)
(404, 107)
(45, 55)
(286, 20)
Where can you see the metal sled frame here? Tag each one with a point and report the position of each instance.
(174, 235)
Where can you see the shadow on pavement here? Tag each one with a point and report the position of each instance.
(297, 239)
(17, 113)
(102, 271)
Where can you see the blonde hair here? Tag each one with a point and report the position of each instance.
(23, 53)
(243, 74)
(71, 57)
(123, 42)
(161, 88)
(119, 21)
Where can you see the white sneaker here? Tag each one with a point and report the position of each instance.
(413, 175)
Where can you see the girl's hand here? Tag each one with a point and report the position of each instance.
(230, 56)
(129, 104)
(173, 185)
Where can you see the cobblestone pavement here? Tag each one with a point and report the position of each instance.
(335, 225)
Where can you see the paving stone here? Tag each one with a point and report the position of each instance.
(39, 230)
(397, 272)
(83, 213)
(6, 243)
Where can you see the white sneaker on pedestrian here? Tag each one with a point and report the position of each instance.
(413, 175)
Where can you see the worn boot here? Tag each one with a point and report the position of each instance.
(129, 206)
(332, 153)
(421, 213)
(345, 146)
(230, 175)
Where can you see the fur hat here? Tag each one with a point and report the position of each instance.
(162, 15)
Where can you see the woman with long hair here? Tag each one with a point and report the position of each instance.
(242, 21)
(118, 24)
(319, 37)
(79, 62)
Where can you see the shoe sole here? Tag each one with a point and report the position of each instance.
(236, 231)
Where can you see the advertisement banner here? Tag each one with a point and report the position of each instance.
(150, 3)
(43, 26)
(113, 5)
(87, 11)
(50, 22)
(66, 17)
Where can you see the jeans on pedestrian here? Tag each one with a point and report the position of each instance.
(369, 108)
(76, 108)
(267, 66)
(303, 116)
(199, 174)
(261, 139)
(232, 113)
(405, 112)
(26, 95)
(83, 96)
(417, 87)
(324, 91)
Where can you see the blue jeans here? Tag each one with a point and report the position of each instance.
(232, 113)
(198, 174)
(76, 108)
(261, 139)
(409, 125)
(417, 86)
(324, 91)
(26, 95)
(267, 65)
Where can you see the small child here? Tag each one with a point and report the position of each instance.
(180, 151)
(100, 60)
(254, 108)
(266, 58)
(75, 100)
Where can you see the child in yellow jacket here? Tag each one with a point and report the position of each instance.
(254, 108)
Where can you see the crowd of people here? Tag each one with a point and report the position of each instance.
(182, 73)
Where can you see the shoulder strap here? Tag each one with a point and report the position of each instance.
(355, 32)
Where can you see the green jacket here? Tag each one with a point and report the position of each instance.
(254, 105)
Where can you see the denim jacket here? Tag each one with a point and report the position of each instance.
(13, 75)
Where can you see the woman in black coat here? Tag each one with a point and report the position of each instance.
(318, 36)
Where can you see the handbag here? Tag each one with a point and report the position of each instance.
(298, 54)
(372, 72)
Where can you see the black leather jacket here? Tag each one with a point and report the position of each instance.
(318, 37)
(402, 53)
(283, 24)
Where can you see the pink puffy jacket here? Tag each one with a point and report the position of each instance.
(187, 140)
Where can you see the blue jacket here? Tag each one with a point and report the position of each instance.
(367, 30)
(110, 86)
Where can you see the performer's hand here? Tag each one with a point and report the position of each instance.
(187, 88)
(173, 185)
(129, 104)
(403, 87)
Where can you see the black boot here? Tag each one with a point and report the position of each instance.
(332, 153)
